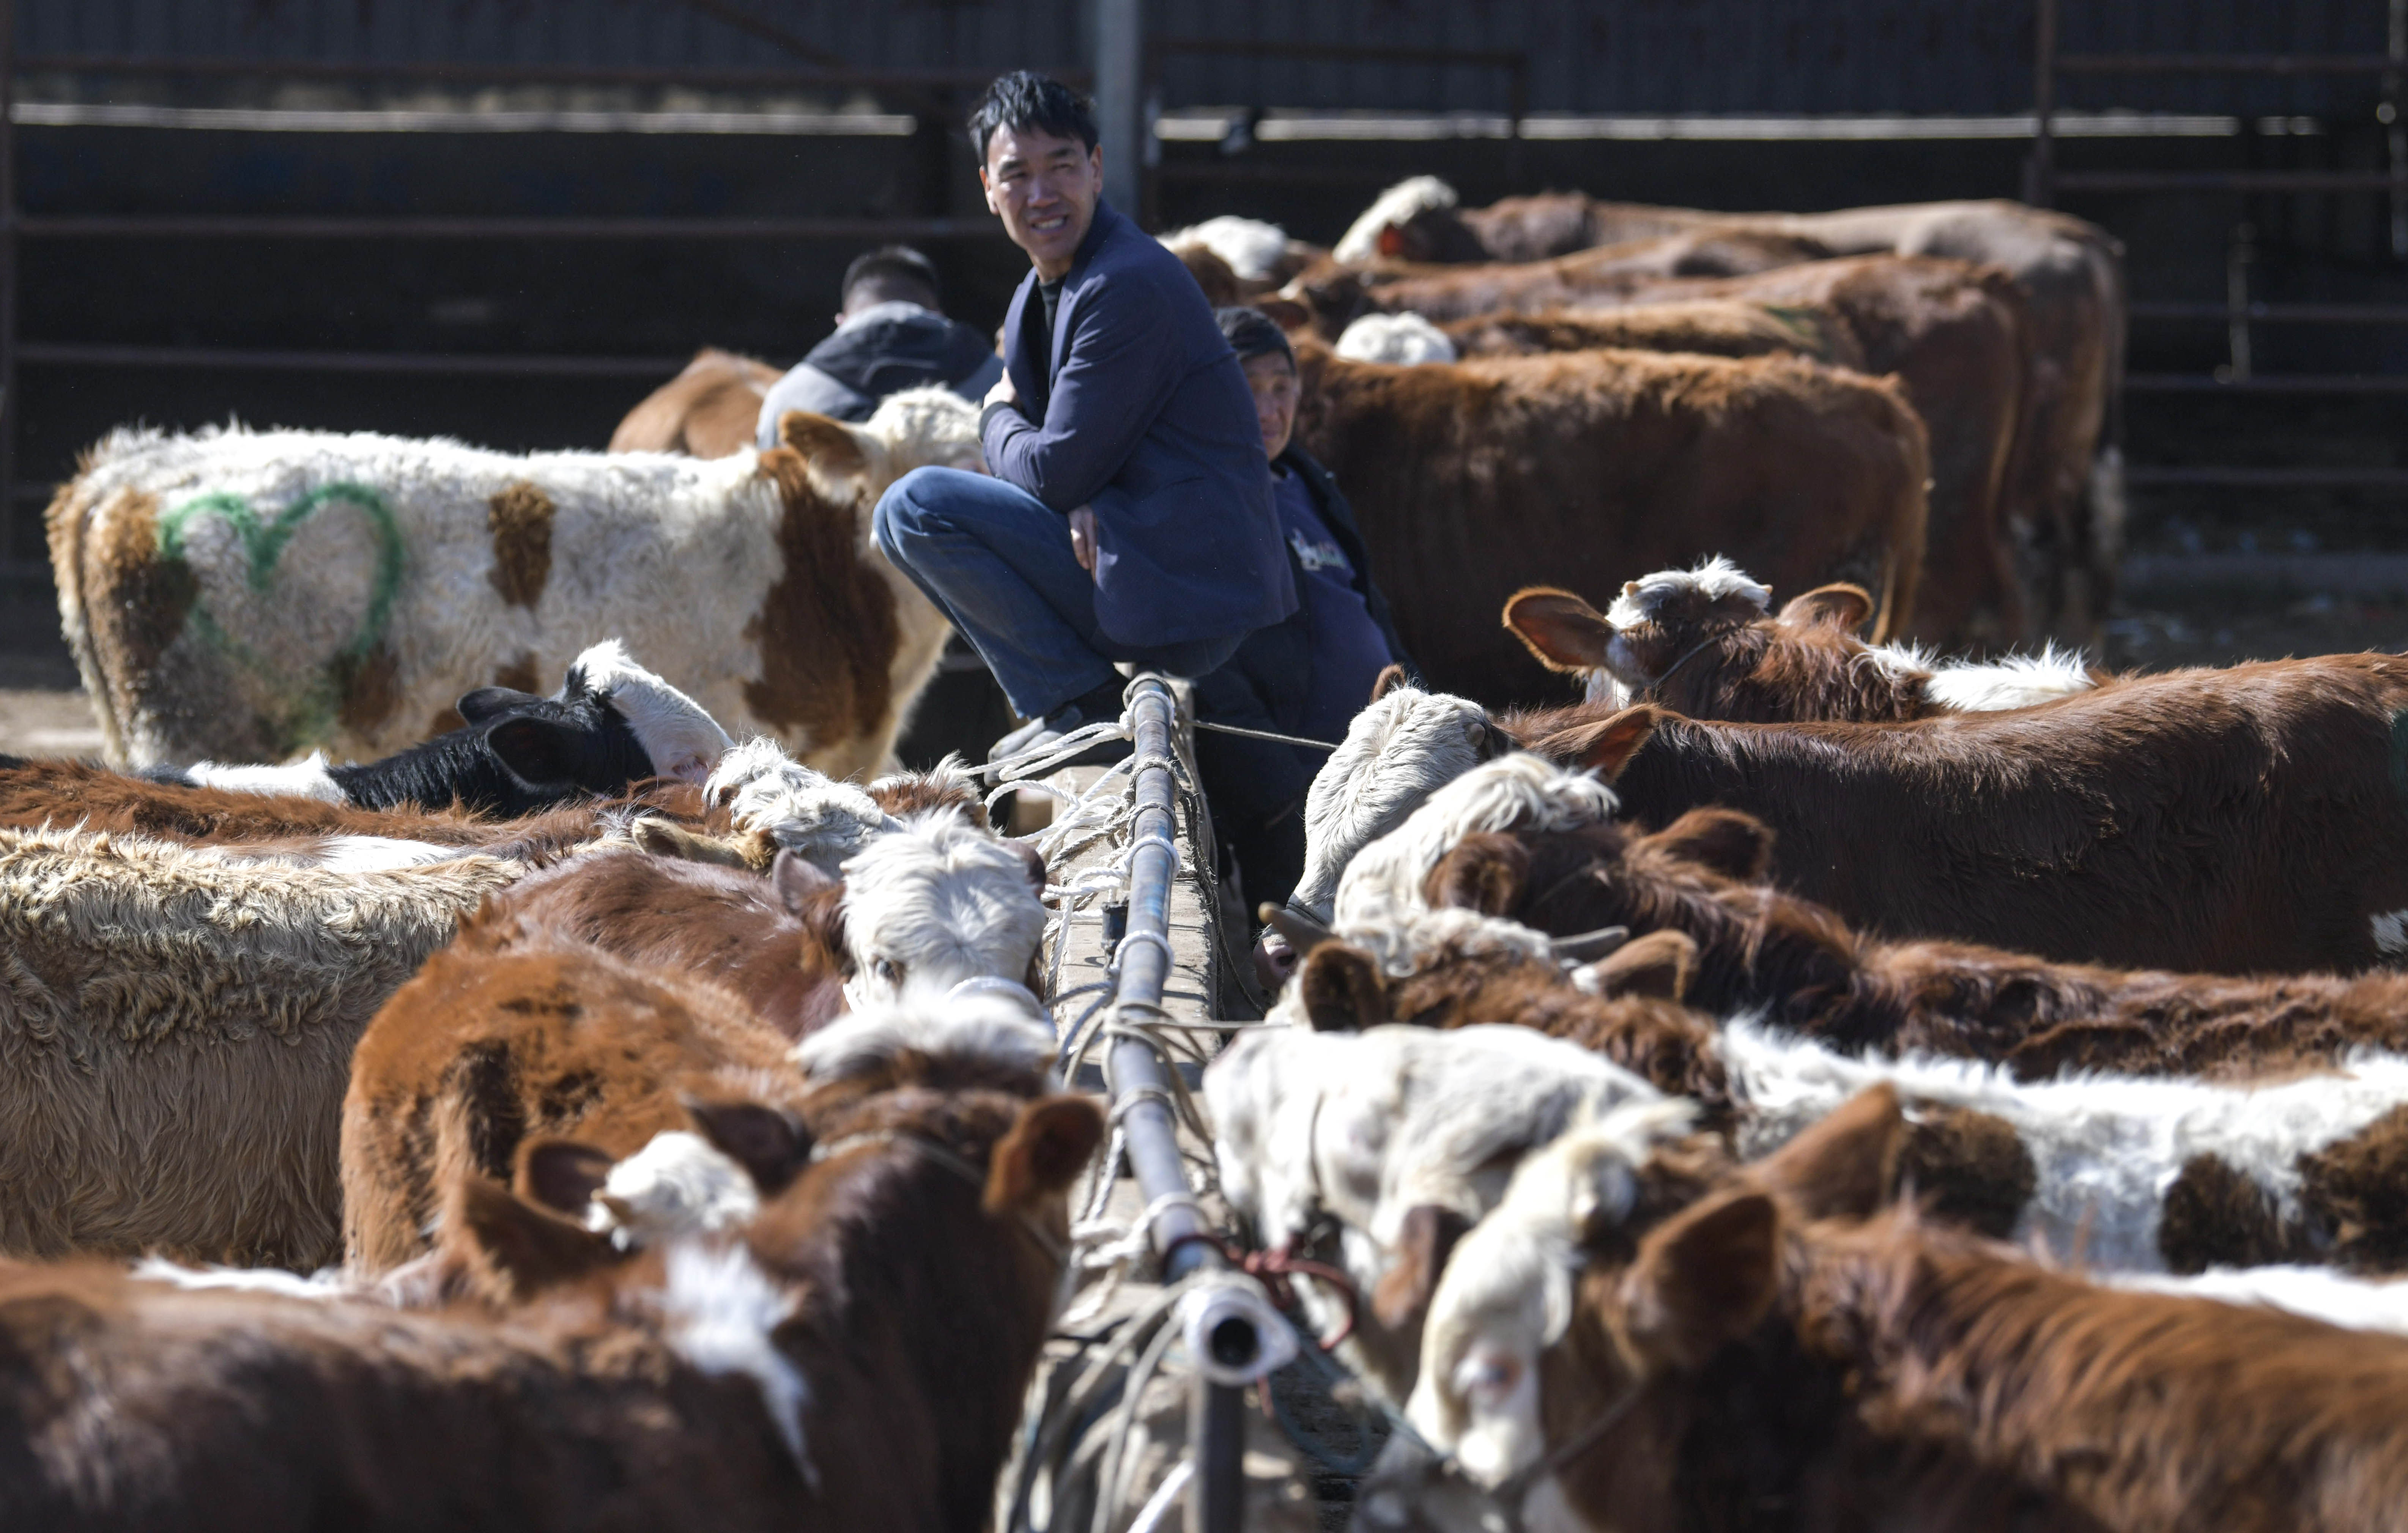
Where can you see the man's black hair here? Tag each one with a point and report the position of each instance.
(1026, 99)
(893, 262)
(1251, 334)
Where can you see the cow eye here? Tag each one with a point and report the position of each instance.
(1487, 1378)
(888, 971)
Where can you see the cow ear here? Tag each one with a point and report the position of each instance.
(799, 880)
(561, 1174)
(829, 446)
(1606, 745)
(1846, 1166)
(667, 838)
(772, 1146)
(1035, 860)
(1342, 989)
(523, 1248)
(1842, 606)
(1486, 871)
(1388, 680)
(1658, 965)
(484, 703)
(1423, 1244)
(1044, 1152)
(1391, 243)
(1562, 631)
(1285, 313)
(535, 750)
(1733, 843)
(1703, 1279)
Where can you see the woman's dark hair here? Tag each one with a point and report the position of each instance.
(1026, 99)
(1251, 334)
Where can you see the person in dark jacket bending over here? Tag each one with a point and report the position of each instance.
(1129, 518)
(891, 334)
(1308, 675)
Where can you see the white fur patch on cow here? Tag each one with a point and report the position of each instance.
(1366, 1127)
(329, 1283)
(677, 1184)
(2319, 1293)
(305, 778)
(2016, 681)
(1381, 887)
(930, 427)
(678, 737)
(1506, 1294)
(1399, 204)
(721, 1310)
(1406, 340)
(2390, 929)
(934, 904)
(1252, 248)
(1397, 753)
(1712, 578)
(969, 1026)
(2105, 1148)
(1899, 663)
(817, 818)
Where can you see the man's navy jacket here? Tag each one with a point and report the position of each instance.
(1140, 409)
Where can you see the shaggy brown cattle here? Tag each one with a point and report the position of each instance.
(856, 1358)
(508, 1034)
(1470, 480)
(1719, 327)
(178, 1028)
(2239, 820)
(1952, 333)
(709, 410)
(1702, 643)
(776, 942)
(2072, 277)
(1745, 1353)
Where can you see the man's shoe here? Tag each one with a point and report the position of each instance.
(1102, 704)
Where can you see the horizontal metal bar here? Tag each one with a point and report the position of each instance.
(2276, 313)
(2223, 64)
(2275, 384)
(2358, 574)
(2225, 180)
(50, 114)
(71, 355)
(528, 74)
(311, 226)
(1217, 172)
(2219, 477)
(1343, 52)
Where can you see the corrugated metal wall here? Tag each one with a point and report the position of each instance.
(1586, 56)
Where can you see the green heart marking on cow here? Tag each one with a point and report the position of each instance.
(263, 544)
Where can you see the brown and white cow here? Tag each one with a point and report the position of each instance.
(1704, 643)
(853, 1356)
(247, 595)
(712, 409)
(1769, 1344)
(1473, 479)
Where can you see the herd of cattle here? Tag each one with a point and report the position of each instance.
(1802, 1083)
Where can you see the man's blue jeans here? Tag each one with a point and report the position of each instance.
(998, 561)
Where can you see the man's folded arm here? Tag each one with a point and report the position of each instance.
(1119, 371)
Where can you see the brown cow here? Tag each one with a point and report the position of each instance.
(1750, 1350)
(1472, 479)
(1702, 643)
(2235, 821)
(1951, 332)
(709, 410)
(1721, 327)
(2068, 469)
(856, 1358)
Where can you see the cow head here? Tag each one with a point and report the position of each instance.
(1416, 220)
(939, 903)
(611, 724)
(1675, 625)
(1356, 1132)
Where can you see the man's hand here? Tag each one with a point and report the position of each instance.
(1003, 393)
(1082, 537)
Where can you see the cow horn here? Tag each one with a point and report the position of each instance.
(1302, 932)
(1587, 947)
